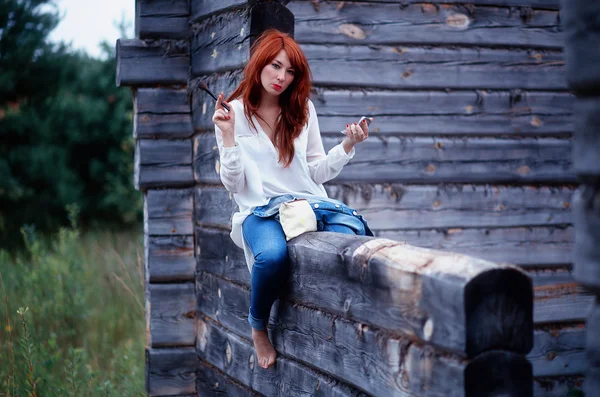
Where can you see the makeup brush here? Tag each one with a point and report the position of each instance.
(203, 86)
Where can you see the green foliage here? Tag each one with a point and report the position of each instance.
(82, 333)
(65, 129)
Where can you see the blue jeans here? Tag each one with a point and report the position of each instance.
(266, 240)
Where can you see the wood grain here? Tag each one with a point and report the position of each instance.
(163, 163)
(200, 9)
(169, 258)
(544, 4)
(161, 100)
(214, 207)
(214, 383)
(586, 253)
(163, 19)
(587, 138)
(172, 314)
(558, 351)
(203, 105)
(168, 212)
(171, 371)
(142, 63)
(384, 23)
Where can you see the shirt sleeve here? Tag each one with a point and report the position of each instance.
(231, 169)
(323, 167)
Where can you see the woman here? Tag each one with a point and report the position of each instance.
(270, 146)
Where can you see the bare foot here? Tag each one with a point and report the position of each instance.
(264, 350)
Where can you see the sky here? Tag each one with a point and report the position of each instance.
(85, 23)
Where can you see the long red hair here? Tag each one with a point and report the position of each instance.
(293, 101)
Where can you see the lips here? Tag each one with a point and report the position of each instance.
(277, 87)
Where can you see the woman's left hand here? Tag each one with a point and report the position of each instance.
(355, 133)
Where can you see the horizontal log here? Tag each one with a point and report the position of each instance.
(561, 302)
(164, 19)
(212, 382)
(171, 372)
(581, 23)
(586, 146)
(214, 207)
(586, 255)
(383, 23)
(162, 100)
(216, 253)
(221, 43)
(171, 314)
(235, 356)
(430, 160)
(163, 163)
(525, 246)
(169, 258)
(592, 381)
(168, 212)
(149, 63)
(381, 280)
(169, 126)
(473, 113)
(200, 9)
(556, 386)
(203, 105)
(544, 4)
(593, 335)
(352, 352)
(558, 352)
(391, 67)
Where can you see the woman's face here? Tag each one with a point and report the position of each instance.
(277, 75)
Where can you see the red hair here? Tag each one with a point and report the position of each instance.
(293, 101)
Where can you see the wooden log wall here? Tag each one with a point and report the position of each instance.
(581, 23)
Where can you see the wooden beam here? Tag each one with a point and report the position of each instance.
(162, 19)
(163, 163)
(558, 351)
(561, 302)
(169, 258)
(213, 382)
(586, 253)
(203, 105)
(171, 314)
(161, 100)
(217, 254)
(414, 68)
(466, 113)
(142, 63)
(201, 9)
(524, 246)
(593, 335)
(270, 15)
(162, 113)
(587, 138)
(385, 23)
(214, 207)
(168, 212)
(299, 332)
(556, 386)
(171, 372)
(542, 4)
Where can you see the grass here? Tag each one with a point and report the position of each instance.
(72, 318)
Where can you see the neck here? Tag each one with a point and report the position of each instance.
(268, 101)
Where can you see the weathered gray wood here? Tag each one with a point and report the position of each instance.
(543, 4)
(169, 258)
(527, 246)
(161, 100)
(593, 335)
(172, 308)
(434, 68)
(556, 386)
(448, 113)
(163, 163)
(203, 105)
(214, 207)
(236, 357)
(581, 23)
(216, 253)
(270, 15)
(587, 237)
(221, 43)
(383, 23)
(200, 9)
(298, 332)
(213, 383)
(171, 372)
(168, 212)
(558, 351)
(498, 373)
(350, 275)
(163, 19)
(170, 126)
(587, 137)
(592, 381)
(152, 62)
(566, 302)
(430, 160)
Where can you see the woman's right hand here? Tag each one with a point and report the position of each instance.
(225, 121)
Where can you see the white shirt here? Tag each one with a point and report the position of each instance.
(251, 170)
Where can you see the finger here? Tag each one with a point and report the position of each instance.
(348, 130)
(219, 100)
(221, 115)
(357, 131)
(364, 125)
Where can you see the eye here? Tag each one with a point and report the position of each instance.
(276, 66)
(291, 72)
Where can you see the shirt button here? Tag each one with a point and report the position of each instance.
(337, 206)
(354, 213)
(316, 205)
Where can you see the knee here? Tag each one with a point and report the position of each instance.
(273, 260)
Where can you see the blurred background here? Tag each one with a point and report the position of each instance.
(71, 242)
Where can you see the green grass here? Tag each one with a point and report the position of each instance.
(72, 315)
